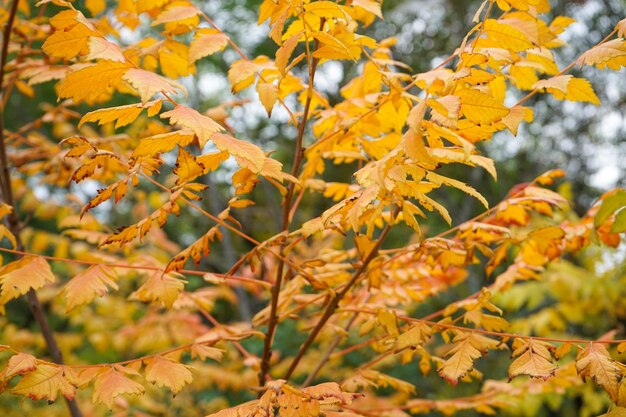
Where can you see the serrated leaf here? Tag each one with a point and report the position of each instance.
(594, 362)
(121, 115)
(203, 126)
(111, 384)
(167, 373)
(534, 358)
(18, 277)
(159, 289)
(92, 82)
(507, 36)
(187, 167)
(467, 348)
(45, 383)
(148, 83)
(206, 42)
(19, 364)
(163, 142)
(89, 284)
(480, 107)
(248, 155)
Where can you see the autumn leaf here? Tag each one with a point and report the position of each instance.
(163, 142)
(165, 372)
(160, 289)
(187, 167)
(110, 384)
(247, 154)
(100, 48)
(507, 36)
(121, 115)
(92, 82)
(480, 107)
(594, 362)
(203, 126)
(467, 348)
(19, 364)
(534, 358)
(268, 94)
(149, 84)
(84, 287)
(18, 277)
(566, 87)
(205, 43)
(45, 382)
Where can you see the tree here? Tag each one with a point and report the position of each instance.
(358, 295)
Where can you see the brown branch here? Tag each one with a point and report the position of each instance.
(12, 218)
(286, 218)
(334, 303)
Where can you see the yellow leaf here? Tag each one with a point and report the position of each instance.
(611, 54)
(566, 87)
(175, 13)
(167, 373)
(206, 42)
(285, 51)
(506, 36)
(122, 115)
(212, 161)
(148, 83)
(100, 48)
(17, 277)
(534, 358)
(19, 364)
(110, 384)
(241, 74)
(160, 289)
(369, 5)
(326, 9)
(440, 179)
(92, 82)
(268, 93)
(45, 383)
(187, 167)
(516, 116)
(203, 352)
(203, 126)
(467, 347)
(174, 59)
(67, 44)
(95, 6)
(480, 107)
(580, 89)
(163, 142)
(89, 284)
(595, 362)
(248, 155)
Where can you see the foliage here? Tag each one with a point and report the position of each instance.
(124, 316)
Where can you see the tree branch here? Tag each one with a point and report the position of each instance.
(334, 303)
(286, 218)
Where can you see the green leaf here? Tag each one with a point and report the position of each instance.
(609, 206)
(619, 225)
